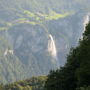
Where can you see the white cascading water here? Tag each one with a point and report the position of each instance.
(52, 50)
(51, 46)
(86, 20)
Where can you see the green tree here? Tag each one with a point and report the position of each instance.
(83, 73)
(65, 77)
(1, 87)
(84, 88)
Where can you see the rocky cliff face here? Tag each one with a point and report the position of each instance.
(25, 29)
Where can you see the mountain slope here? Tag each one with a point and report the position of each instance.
(25, 29)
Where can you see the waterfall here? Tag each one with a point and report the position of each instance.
(86, 20)
(51, 46)
(52, 50)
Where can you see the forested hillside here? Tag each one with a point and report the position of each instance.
(36, 35)
(74, 75)
(35, 83)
